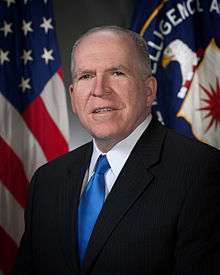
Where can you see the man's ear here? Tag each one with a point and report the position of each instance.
(71, 92)
(151, 88)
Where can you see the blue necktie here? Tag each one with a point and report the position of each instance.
(91, 204)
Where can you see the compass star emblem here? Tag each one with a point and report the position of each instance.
(212, 104)
(201, 106)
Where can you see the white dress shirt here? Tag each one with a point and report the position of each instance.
(117, 156)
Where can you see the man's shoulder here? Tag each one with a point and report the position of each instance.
(189, 148)
(180, 140)
(68, 159)
(178, 145)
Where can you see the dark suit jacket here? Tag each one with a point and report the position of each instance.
(161, 217)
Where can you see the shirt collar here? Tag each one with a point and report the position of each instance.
(118, 155)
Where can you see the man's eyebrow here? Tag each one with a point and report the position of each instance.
(119, 67)
(82, 71)
(111, 69)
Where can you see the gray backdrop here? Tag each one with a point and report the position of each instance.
(74, 18)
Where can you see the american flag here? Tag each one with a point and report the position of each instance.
(33, 112)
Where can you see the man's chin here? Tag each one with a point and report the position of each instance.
(104, 131)
(102, 136)
(106, 140)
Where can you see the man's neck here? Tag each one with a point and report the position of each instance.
(105, 145)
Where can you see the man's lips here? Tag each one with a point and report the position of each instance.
(104, 109)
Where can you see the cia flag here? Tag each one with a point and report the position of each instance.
(33, 112)
(184, 44)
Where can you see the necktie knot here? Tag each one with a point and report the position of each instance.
(102, 165)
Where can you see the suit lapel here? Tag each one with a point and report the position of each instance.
(68, 205)
(134, 178)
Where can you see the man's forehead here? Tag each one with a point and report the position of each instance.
(105, 49)
(106, 60)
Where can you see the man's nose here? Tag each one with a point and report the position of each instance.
(100, 86)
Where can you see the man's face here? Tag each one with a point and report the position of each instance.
(109, 93)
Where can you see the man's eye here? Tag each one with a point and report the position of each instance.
(85, 77)
(118, 73)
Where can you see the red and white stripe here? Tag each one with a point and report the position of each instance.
(27, 141)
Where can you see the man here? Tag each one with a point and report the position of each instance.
(161, 206)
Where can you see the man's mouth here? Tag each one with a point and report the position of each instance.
(103, 110)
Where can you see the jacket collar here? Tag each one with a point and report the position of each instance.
(69, 195)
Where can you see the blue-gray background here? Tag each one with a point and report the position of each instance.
(72, 19)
